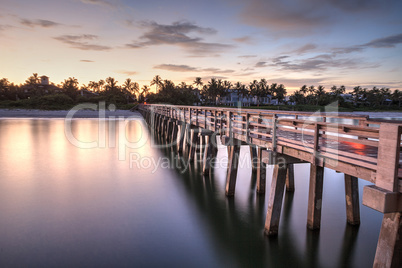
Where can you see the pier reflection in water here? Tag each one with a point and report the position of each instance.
(238, 222)
(65, 206)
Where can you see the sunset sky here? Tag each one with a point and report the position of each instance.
(294, 42)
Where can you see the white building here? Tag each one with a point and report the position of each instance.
(44, 80)
(236, 100)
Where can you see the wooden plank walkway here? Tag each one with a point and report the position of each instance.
(357, 146)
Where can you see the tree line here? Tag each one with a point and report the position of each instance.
(212, 92)
(358, 97)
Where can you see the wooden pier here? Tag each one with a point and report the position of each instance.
(363, 148)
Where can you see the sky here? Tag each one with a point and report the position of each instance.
(293, 42)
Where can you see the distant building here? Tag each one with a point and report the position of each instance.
(44, 80)
(44, 87)
(233, 98)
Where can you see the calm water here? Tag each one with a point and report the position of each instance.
(61, 205)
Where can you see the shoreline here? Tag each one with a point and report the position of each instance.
(26, 113)
(35, 113)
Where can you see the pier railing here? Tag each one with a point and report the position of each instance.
(344, 142)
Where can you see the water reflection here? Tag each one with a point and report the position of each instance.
(237, 226)
(65, 206)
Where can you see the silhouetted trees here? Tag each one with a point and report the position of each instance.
(211, 92)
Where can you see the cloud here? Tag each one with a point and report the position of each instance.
(304, 16)
(4, 27)
(39, 23)
(384, 42)
(247, 56)
(175, 68)
(99, 2)
(320, 63)
(282, 16)
(218, 71)
(261, 64)
(209, 77)
(178, 34)
(82, 42)
(187, 68)
(244, 39)
(245, 74)
(129, 73)
(86, 61)
(304, 49)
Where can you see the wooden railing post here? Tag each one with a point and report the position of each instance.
(248, 128)
(215, 121)
(228, 124)
(274, 130)
(315, 186)
(261, 172)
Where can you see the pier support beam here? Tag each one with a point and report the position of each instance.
(174, 134)
(169, 131)
(315, 197)
(181, 137)
(275, 201)
(206, 168)
(193, 143)
(234, 152)
(261, 168)
(253, 156)
(389, 247)
(352, 200)
(290, 178)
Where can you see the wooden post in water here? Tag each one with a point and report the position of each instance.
(352, 200)
(234, 152)
(275, 201)
(290, 178)
(253, 156)
(181, 137)
(315, 197)
(261, 168)
(186, 140)
(207, 155)
(315, 186)
(174, 133)
(193, 143)
(169, 131)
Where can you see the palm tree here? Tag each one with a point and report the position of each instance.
(320, 93)
(255, 90)
(145, 90)
(303, 90)
(33, 84)
(111, 85)
(101, 84)
(94, 86)
(70, 86)
(183, 85)
(397, 97)
(198, 81)
(280, 93)
(385, 94)
(157, 81)
(130, 87)
(33, 80)
(271, 90)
